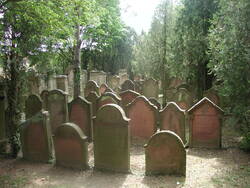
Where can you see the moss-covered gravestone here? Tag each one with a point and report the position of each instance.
(91, 86)
(172, 118)
(108, 98)
(71, 146)
(165, 155)
(143, 118)
(128, 85)
(150, 88)
(93, 97)
(111, 139)
(80, 113)
(58, 108)
(36, 138)
(44, 96)
(127, 97)
(205, 121)
(33, 105)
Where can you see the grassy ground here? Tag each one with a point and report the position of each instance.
(225, 168)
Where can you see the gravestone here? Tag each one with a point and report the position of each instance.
(33, 105)
(108, 98)
(71, 147)
(51, 82)
(172, 118)
(205, 121)
(155, 102)
(70, 76)
(165, 155)
(114, 82)
(138, 86)
(58, 108)
(150, 88)
(123, 76)
(112, 139)
(33, 83)
(92, 98)
(143, 118)
(44, 96)
(128, 85)
(36, 138)
(99, 77)
(80, 113)
(103, 88)
(91, 86)
(213, 96)
(183, 98)
(127, 97)
(170, 93)
(62, 83)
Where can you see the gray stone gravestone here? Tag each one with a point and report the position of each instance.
(33, 105)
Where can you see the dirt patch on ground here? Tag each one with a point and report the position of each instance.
(228, 167)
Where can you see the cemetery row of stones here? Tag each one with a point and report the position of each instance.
(110, 121)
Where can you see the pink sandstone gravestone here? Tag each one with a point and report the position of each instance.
(91, 86)
(165, 155)
(92, 98)
(205, 121)
(127, 97)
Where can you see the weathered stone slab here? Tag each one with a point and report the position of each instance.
(44, 96)
(128, 85)
(143, 118)
(165, 155)
(91, 86)
(213, 96)
(71, 146)
(103, 88)
(58, 108)
(62, 83)
(36, 138)
(114, 82)
(205, 121)
(183, 98)
(155, 102)
(33, 105)
(127, 97)
(112, 139)
(108, 98)
(99, 77)
(170, 93)
(150, 88)
(80, 113)
(172, 118)
(93, 97)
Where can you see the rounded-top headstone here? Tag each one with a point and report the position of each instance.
(33, 105)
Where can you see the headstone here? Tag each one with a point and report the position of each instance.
(91, 86)
(108, 98)
(172, 118)
(150, 88)
(62, 83)
(33, 83)
(128, 85)
(71, 147)
(70, 76)
(99, 77)
(183, 98)
(213, 96)
(170, 93)
(93, 97)
(36, 138)
(123, 76)
(112, 139)
(33, 105)
(205, 120)
(143, 118)
(44, 96)
(165, 155)
(58, 108)
(155, 102)
(51, 82)
(114, 82)
(138, 86)
(103, 88)
(80, 113)
(127, 97)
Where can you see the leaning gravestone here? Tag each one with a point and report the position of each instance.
(150, 88)
(71, 147)
(93, 97)
(91, 86)
(183, 98)
(128, 85)
(165, 155)
(127, 97)
(112, 141)
(108, 98)
(33, 105)
(36, 138)
(143, 118)
(58, 108)
(80, 113)
(205, 121)
(44, 96)
(172, 118)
